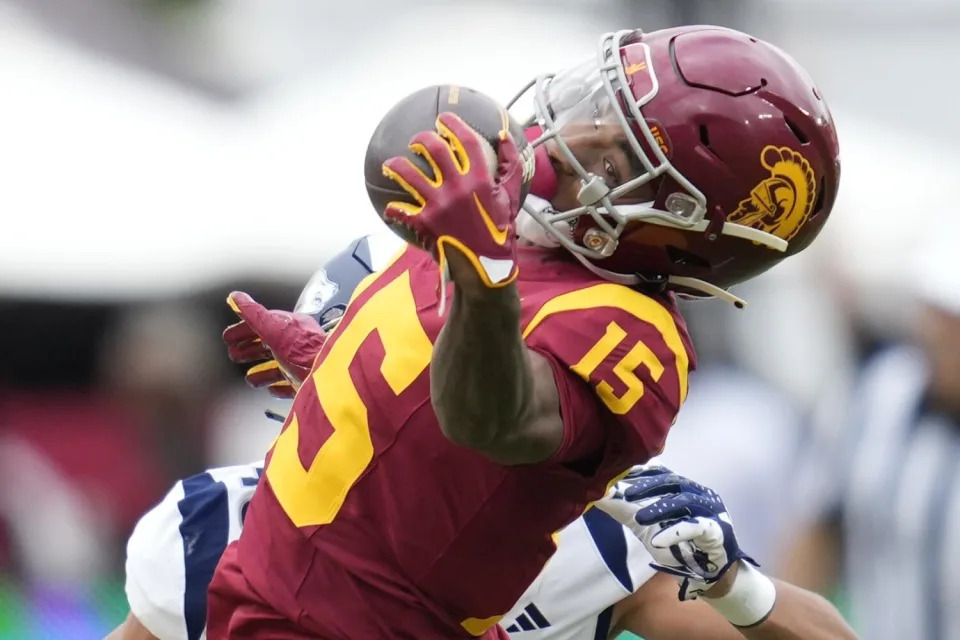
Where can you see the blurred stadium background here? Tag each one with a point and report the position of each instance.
(157, 154)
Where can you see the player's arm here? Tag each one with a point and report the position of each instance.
(489, 392)
(800, 614)
(655, 613)
(131, 629)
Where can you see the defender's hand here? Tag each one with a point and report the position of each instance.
(464, 204)
(683, 525)
(287, 342)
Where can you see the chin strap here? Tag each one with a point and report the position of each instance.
(630, 280)
(707, 288)
(679, 281)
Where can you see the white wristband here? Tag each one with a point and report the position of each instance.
(750, 599)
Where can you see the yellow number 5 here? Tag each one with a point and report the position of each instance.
(314, 495)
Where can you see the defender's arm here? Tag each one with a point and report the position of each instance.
(655, 613)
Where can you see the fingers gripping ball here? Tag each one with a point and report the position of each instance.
(416, 114)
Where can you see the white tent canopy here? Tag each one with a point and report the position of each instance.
(117, 184)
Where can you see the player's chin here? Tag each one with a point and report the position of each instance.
(565, 197)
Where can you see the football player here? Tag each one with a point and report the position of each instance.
(602, 579)
(429, 457)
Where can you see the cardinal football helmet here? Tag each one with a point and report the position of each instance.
(734, 154)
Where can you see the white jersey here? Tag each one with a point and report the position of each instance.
(597, 564)
(175, 547)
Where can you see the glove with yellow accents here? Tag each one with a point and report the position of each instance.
(470, 202)
(286, 342)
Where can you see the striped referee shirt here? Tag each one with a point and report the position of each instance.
(896, 484)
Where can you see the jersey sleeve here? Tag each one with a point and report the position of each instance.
(155, 569)
(175, 547)
(621, 361)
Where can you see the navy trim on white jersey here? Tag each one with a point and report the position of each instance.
(608, 535)
(249, 481)
(603, 624)
(205, 529)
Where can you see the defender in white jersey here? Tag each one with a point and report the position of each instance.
(601, 580)
(598, 563)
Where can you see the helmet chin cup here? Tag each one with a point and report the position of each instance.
(709, 290)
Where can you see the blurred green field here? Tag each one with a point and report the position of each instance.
(58, 615)
(47, 614)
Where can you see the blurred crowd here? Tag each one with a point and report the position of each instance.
(827, 413)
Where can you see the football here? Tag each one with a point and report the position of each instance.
(418, 112)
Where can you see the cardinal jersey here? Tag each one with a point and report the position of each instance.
(370, 523)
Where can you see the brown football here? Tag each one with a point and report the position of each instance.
(418, 112)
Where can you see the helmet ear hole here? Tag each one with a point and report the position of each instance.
(705, 140)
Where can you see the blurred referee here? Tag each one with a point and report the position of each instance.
(883, 499)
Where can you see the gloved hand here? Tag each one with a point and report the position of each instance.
(464, 204)
(683, 525)
(287, 342)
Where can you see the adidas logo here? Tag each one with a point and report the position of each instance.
(529, 620)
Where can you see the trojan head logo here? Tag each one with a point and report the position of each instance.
(781, 203)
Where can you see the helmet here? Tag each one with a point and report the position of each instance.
(733, 154)
(329, 290)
